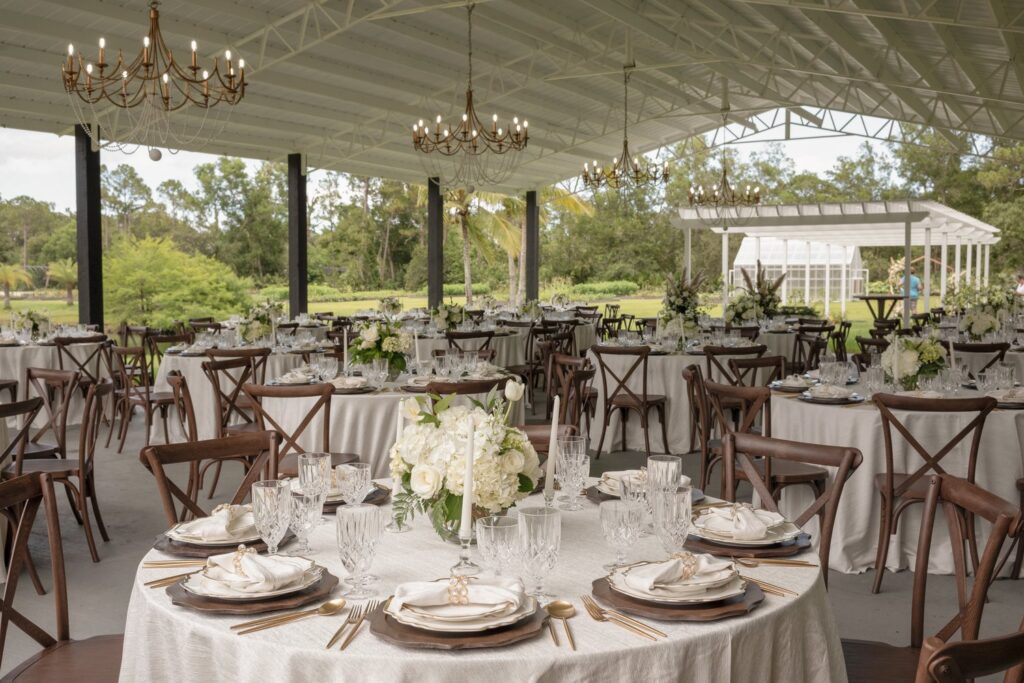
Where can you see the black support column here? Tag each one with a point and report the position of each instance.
(298, 237)
(532, 246)
(435, 242)
(89, 228)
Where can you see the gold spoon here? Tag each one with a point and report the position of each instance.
(325, 610)
(564, 610)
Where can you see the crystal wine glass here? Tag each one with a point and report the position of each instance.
(540, 534)
(315, 475)
(329, 367)
(306, 509)
(359, 528)
(271, 506)
(353, 481)
(621, 521)
(496, 539)
(672, 519)
(663, 473)
(572, 470)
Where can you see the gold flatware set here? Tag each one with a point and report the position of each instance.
(598, 613)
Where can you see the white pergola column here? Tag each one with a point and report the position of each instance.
(785, 271)
(828, 278)
(807, 274)
(988, 258)
(977, 265)
(967, 265)
(725, 272)
(956, 260)
(843, 288)
(906, 274)
(944, 266)
(927, 269)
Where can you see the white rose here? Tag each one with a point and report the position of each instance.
(425, 481)
(514, 390)
(513, 461)
(370, 333)
(411, 409)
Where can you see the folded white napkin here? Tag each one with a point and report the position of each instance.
(679, 576)
(177, 347)
(349, 382)
(245, 571)
(796, 381)
(829, 391)
(612, 481)
(484, 595)
(225, 523)
(195, 348)
(422, 380)
(297, 376)
(740, 522)
(1015, 395)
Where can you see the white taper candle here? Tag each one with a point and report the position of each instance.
(466, 524)
(549, 474)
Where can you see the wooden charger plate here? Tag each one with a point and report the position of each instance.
(711, 611)
(168, 545)
(784, 549)
(318, 591)
(378, 496)
(386, 628)
(354, 391)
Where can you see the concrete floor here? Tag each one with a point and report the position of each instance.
(99, 592)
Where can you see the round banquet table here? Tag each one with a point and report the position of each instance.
(783, 639)
(855, 536)
(16, 360)
(974, 362)
(586, 336)
(779, 343)
(509, 347)
(318, 332)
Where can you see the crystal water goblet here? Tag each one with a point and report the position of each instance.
(359, 528)
(353, 481)
(621, 521)
(271, 507)
(496, 540)
(315, 475)
(672, 519)
(306, 509)
(540, 536)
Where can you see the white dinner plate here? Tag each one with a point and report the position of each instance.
(409, 618)
(174, 535)
(332, 495)
(195, 584)
(779, 534)
(431, 613)
(730, 589)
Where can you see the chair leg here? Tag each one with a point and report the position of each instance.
(216, 478)
(149, 420)
(115, 409)
(163, 416)
(74, 506)
(884, 534)
(83, 510)
(664, 429)
(624, 415)
(126, 417)
(645, 425)
(91, 486)
(1019, 560)
(604, 429)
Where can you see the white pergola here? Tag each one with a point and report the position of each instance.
(862, 224)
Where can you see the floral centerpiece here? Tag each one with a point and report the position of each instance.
(995, 300)
(559, 300)
(34, 321)
(390, 306)
(429, 459)
(908, 359)
(764, 291)
(681, 306)
(260, 322)
(531, 310)
(744, 308)
(978, 322)
(381, 340)
(448, 316)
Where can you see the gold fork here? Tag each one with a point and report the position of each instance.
(371, 606)
(770, 587)
(354, 615)
(165, 581)
(599, 614)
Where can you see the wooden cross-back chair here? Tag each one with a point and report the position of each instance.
(839, 339)
(962, 662)
(10, 385)
(92, 659)
(80, 468)
(135, 391)
(899, 490)
(228, 371)
(290, 448)
(465, 341)
(700, 422)
(757, 371)
(961, 501)
(198, 326)
(88, 368)
(532, 369)
(620, 397)
(572, 409)
(258, 448)
(56, 388)
(138, 335)
(610, 327)
(289, 329)
(886, 326)
(611, 310)
(807, 350)
(21, 414)
(563, 367)
(716, 360)
(762, 459)
(997, 351)
(159, 342)
(476, 386)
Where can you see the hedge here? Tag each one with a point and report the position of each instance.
(609, 288)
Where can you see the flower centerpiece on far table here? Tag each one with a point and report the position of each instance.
(381, 340)
(390, 306)
(448, 316)
(908, 359)
(764, 290)
(743, 309)
(33, 321)
(978, 322)
(681, 306)
(429, 460)
(260, 322)
(531, 310)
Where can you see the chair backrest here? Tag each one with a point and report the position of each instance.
(22, 497)
(204, 326)
(87, 367)
(486, 355)
(159, 342)
(92, 418)
(476, 314)
(465, 341)
(700, 411)
(757, 371)
(573, 394)
(840, 338)
(619, 381)
(961, 502)
(996, 350)
(476, 386)
(751, 402)
(611, 310)
(887, 326)
(586, 310)
(807, 349)
(290, 438)
(961, 662)
(227, 377)
(135, 335)
(975, 408)
(716, 363)
(23, 414)
(820, 328)
(130, 364)
(561, 365)
(287, 328)
(324, 315)
(610, 326)
(183, 404)
(869, 344)
(741, 449)
(261, 447)
(56, 388)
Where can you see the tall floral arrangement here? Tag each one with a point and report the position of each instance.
(381, 340)
(531, 310)
(977, 322)
(260, 321)
(995, 300)
(682, 300)
(448, 316)
(32, 320)
(390, 306)
(764, 290)
(908, 359)
(744, 308)
(429, 459)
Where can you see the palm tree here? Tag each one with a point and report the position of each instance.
(65, 274)
(12, 275)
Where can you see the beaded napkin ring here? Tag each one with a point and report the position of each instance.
(458, 590)
(689, 562)
(239, 556)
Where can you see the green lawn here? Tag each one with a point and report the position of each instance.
(56, 310)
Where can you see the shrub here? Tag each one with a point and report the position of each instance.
(315, 293)
(458, 289)
(609, 288)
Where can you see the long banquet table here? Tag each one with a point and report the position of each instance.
(855, 535)
(783, 639)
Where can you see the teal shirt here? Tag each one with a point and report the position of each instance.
(915, 287)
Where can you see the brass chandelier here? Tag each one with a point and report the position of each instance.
(625, 169)
(722, 194)
(132, 101)
(471, 145)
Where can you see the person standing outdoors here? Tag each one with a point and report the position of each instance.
(915, 288)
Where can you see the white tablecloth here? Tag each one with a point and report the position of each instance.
(976, 361)
(510, 348)
(855, 537)
(363, 424)
(784, 639)
(16, 360)
(778, 343)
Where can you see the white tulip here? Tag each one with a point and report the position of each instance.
(411, 409)
(514, 390)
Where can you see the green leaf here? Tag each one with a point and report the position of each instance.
(525, 483)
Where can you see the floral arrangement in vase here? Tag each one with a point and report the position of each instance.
(559, 300)
(390, 306)
(996, 300)
(429, 459)
(764, 291)
(448, 316)
(381, 340)
(978, 322)
(682, 303)
(908, 359)
(531, 310)
(260, 322)
(744, 308)
(34, 321)
(251, 331)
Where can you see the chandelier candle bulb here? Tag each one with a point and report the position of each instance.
(195, 65)
(103, 45)
(466, 523)
(549, 470)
